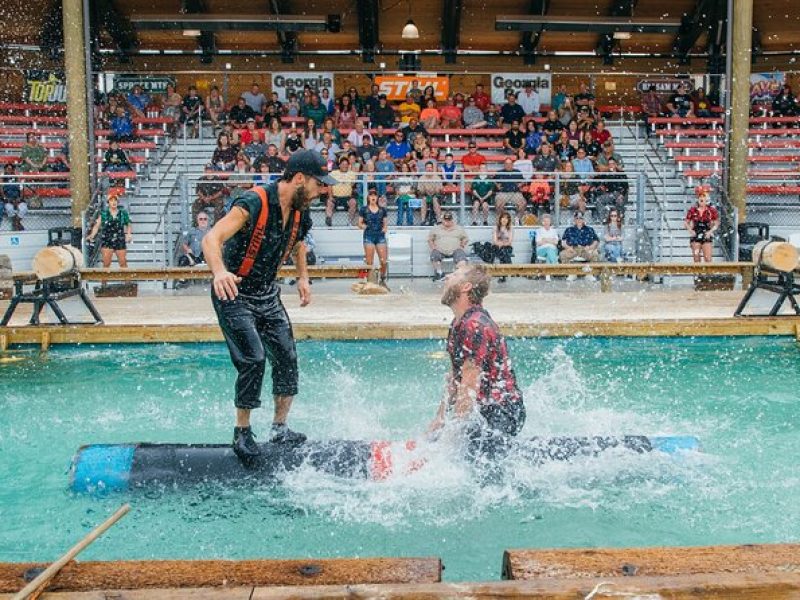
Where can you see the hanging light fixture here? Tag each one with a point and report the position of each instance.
(410, 31)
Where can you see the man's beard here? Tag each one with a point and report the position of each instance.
(300, 199)
(450, 295)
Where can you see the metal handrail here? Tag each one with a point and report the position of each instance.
(161, 226)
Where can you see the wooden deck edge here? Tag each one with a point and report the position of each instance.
(691, 587)
(48, 335)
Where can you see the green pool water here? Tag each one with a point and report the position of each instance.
(738, 395)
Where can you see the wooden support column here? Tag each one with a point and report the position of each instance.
(77, 109)
(740, 104)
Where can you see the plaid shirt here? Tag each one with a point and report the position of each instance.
(476, 337)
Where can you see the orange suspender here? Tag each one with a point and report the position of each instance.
(259, 230)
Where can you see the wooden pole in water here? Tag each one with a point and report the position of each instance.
(35, 587)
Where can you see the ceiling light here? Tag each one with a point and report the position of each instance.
(410, 31)
(622, 35)
(191, 32)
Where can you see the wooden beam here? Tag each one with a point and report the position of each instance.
(368, 28)
(451, 28)
(622, 562)
(692, 27)
(145, 574)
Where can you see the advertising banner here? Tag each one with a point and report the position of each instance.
(765, 86)
(45, 86)
(397, 86)
(505, 83)
(153, 85)
(293, 83)
(666, 86)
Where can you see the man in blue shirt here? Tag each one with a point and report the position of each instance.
(138, 100)
(509, 187)
(579, 241)
(398, 148)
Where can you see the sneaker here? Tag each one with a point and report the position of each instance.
(547, 277)
(485, 223)
(329, 221)
(438, 276)
(571, 278)
(244, 444)
(474, 223)
(383, 284)
(281, 434)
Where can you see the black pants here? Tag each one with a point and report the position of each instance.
(493, 437)
(257, 328)
(503, 254)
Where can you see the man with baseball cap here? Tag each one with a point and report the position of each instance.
(244, 251)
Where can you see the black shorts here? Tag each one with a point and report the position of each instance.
(341, 202)
(257, 328)
(113, 242)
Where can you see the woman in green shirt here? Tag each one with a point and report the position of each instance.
(115, 224)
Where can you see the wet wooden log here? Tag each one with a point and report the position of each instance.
(120, 575)
(622, 562)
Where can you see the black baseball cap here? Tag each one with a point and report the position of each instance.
(309, 163)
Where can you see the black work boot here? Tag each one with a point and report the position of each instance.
(244, 444)
(281, 434)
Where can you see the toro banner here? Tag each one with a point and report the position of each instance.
(505, 83)
(293, 83)
(396, 87)
(45, 86)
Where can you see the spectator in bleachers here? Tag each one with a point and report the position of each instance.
(503, 239)
(122, 128)
(680, 103)
(559, 98)
(612, 189)
(373, 101)
(450, 115)
(511, 111)
(192, 240)
(116, 232)
(329, 158)
(356, 136)
(329, 126)
(275, 135)
(600, 134)
(587, 117)
(547, 242)
(592, 148)
(328, 144)
(429, 117)
(608, 154)
(429, 189)
(327, 101)
(541, 194)
(492, 116)
(224, 157)
(613, 236)
(524, 164)
(574, 135)
(315, 110)
(651, 105)
(563, 148)
(210, 192)
(529, 100)
(292, 106)
(383, 115)
(399, 149)
(546, 161)
(427, 94)
(567, 113)
(702, 221)
(573, 190)
(373, 220)
(191, 110)
(582, 164)
(473, 116)
(379, 138)
(702, 104)
(383, 166)
(447, 240)
(356, 101)
(345, 114)
(473, 160)
(552, 127)
(408, 109)
(294, 140)
(584, 98)
(367, 150)
(251, 142)
(425, 158)
(255, 99)
(171, 103)
(311, 135)
(241, 113)
(342, 196)
(263, 176)
(215, 107)
(785, 104)
(33, 157)
(483, 195)
(415, 92)
(404, 192)
(115, 158)
(533, 137)
(414, 130)
(449, 168)
(509, 187)
(138, 100)
(273, 160)
(579, 241)
(514, 138)
(482, 99)
(14, 204)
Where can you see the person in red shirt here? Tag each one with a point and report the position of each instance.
(450, 115)
(473, 159)
(600, 134)
(481, 386)
(250, 134)
(482, 99)
(702, 220)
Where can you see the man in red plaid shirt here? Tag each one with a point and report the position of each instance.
(481, 387)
